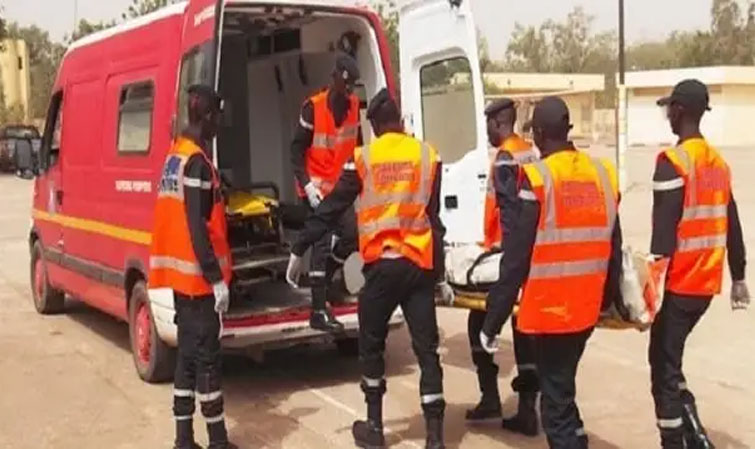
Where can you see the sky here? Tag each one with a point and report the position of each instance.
(645, 19)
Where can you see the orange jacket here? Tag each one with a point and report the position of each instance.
(578, 199)
(331, 146)
(696, 267)
(521, 153)
(397, 174)
(173, 263)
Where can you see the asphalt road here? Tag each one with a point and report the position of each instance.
(68, 381)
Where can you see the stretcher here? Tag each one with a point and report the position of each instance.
(471, 271)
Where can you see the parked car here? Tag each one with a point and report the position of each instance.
(9, 135)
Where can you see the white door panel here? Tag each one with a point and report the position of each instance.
(442, 102)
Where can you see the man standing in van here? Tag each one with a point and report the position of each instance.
(190, 254)
(395, 182)
(327, 133)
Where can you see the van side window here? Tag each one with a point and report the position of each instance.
(196, 68)
(135, 117)
(447, 91)
(50, 148)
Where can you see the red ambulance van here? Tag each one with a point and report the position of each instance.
(119, 99)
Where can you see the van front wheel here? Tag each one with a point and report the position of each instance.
(47, 299)
(154, 360)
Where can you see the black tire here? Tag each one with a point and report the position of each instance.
(155, 363)
(348, 347)
(47, 299)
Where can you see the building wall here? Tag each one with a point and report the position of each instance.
(737, 126)
(647, 125)
(14, 74)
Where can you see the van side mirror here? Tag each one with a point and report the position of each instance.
(26, 166)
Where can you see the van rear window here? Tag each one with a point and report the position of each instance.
(135, 117)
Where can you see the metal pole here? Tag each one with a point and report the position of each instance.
(621, 144)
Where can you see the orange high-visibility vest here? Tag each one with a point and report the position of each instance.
(397, 173)
(173, 263)
(521, 153)
(578, 199)
(697, 265)
(332, 146)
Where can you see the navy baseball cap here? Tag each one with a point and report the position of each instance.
(692, 94)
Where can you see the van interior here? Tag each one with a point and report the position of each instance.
(272, 59)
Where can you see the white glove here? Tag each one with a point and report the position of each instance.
(293, 272)
(490, 345)
(740, 296)
(447, 294)
(314, 196)
(222, 297)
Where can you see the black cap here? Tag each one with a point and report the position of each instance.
(347, 68)
(207, 94)
(499, 105)
(551, 113)
(378, 102)
(691, 94)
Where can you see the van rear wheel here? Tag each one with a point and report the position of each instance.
(47, 299)
(154, 360)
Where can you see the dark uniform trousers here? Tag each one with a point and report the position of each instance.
(676, 319)
(557, 358)
(391, 283)
(487, 370)
(322, 266)
(198, 366)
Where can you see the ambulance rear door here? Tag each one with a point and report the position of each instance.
(443, 102)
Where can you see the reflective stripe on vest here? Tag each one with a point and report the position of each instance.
(395, 220)
(696, 267)
(564, 288)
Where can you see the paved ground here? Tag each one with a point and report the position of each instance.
(68, 381)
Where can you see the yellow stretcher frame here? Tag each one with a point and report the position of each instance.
(477, 301)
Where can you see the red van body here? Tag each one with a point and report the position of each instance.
(114, 111)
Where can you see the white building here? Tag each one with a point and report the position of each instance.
(732, 100)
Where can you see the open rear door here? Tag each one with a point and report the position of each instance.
(443, 103)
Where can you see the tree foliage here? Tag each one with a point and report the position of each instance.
(139, 8)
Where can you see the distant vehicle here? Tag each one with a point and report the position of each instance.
(9, 135)
(120, 97)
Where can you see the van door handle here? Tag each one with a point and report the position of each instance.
(59, 197)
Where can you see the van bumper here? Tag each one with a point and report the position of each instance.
(260, 332)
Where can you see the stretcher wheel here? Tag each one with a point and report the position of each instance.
(154, 360)
(47, 299)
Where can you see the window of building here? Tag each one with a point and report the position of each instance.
(137, 103)
(448, 108)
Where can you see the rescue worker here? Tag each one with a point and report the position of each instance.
(695, 222)
(566, 249)
(325, 138)
(501, 210)
(190, 254)
(396, 184)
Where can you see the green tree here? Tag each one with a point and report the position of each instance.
(3, 30)
(85, 28)
(44, 57)
(139, 8)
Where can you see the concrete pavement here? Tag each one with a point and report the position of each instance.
(68, 380)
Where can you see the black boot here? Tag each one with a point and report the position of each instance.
(525, 421)
(488, 409)
(323, 320)
(368, 435)
(694, 432)
(434, 427)
(185, 435)
(219, 436)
